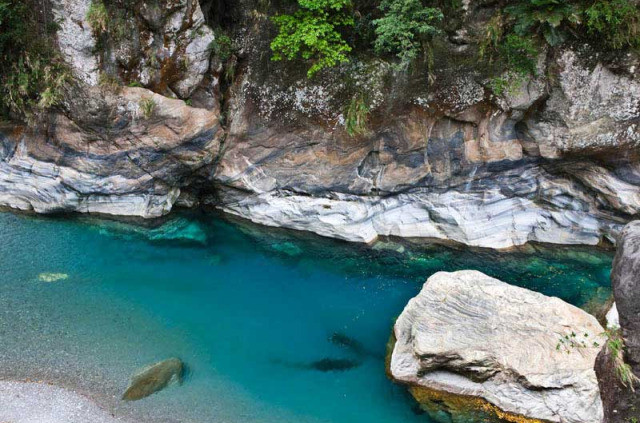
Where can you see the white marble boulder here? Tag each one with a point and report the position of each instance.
(519, 354)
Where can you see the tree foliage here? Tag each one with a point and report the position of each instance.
(548, 18)
(617, 22)
(312, 33)
(405, 28)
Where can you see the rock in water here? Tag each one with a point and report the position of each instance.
(52, 277)
(480, 346)
(154, 378)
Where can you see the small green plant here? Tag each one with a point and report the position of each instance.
(147, 106)
(519, 53)
(134, 84)
(624, 373)
(405, 28)
(221, 46)
(311, 33)
(98, 17)
(573, 341)
(357, 116)
(508, 83)
(188, 102)
(492, 37)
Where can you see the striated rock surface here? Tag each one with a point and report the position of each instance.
(553, 159)
(110, 158)
(621, 403)
(504, 351)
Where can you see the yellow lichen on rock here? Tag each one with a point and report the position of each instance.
(464, 406)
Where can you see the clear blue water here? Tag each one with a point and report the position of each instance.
(248, 309)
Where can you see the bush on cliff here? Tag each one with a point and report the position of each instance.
(405, 28)
(312, 33)
(32, 73)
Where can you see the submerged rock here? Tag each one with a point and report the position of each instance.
(52, 277)
(481, 347)
(326, 364)
(154, 378)
(333, 364)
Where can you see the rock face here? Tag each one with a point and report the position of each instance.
(621, 404)
(499, 349)
(554, 159)
(160, 45)
(110, 158)
(154, 378)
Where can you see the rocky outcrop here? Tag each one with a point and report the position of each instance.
(154, 378)
(477, 345)
(551, 159)
(159, 45)
(112, 157)
(621, 403)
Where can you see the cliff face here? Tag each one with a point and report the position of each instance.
(621, 403)
(554, 159)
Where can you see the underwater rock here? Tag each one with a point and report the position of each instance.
(333, 364)
(177, 229)
(486, 347)
(154, 378)
(326, 364)
(288, 248)
(52, 277)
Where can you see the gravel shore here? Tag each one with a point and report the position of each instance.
(24, 402)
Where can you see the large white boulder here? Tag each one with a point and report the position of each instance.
(511, 352)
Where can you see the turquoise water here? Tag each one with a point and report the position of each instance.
(252, 312)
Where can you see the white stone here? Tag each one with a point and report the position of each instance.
(469, 334)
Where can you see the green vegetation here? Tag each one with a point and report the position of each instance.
(98, 17)
(147, 106)
(573, 341)
(405, 28)
(357, 116)
(624, 373)
(311, 33)
(616, 21)
(32, 74)
(110, 21)
(548, 18)
(517, 34)
(222, 46)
